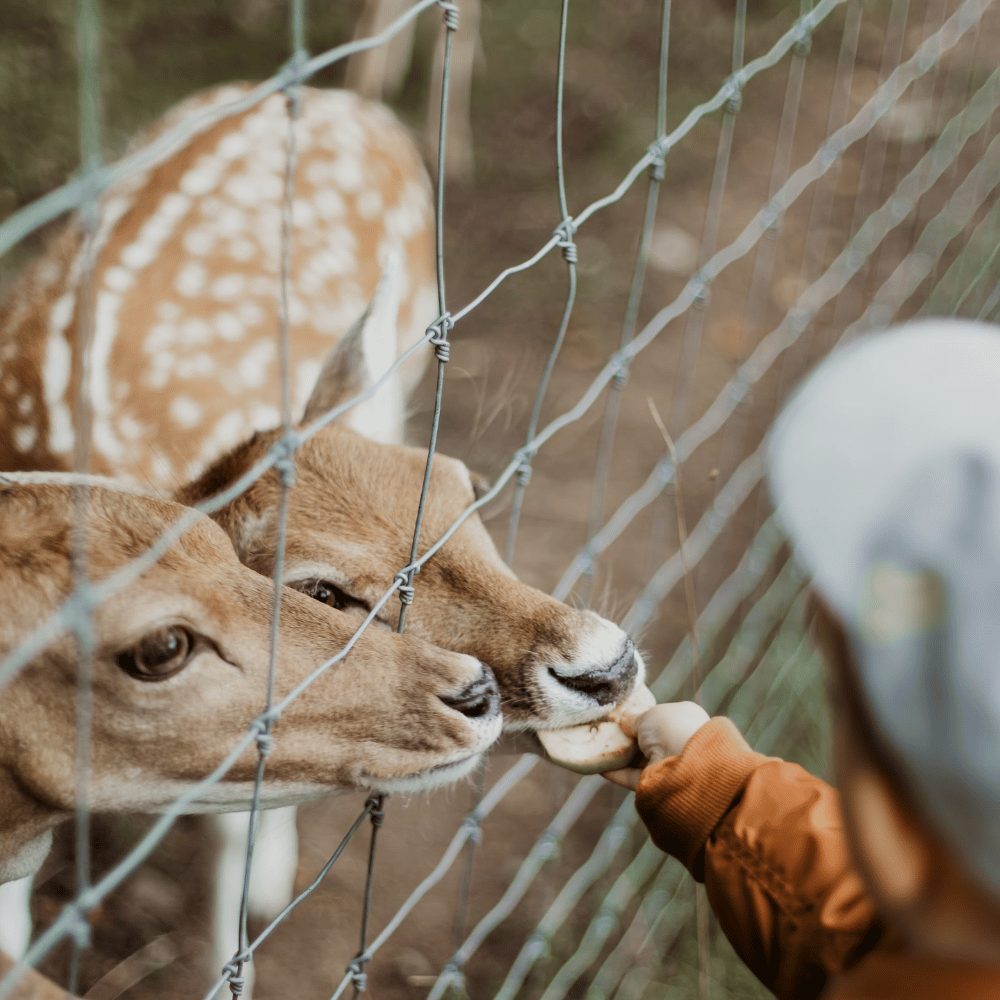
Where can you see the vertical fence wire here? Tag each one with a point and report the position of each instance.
(90, 124)
(235, 969)
(657, 172)
(565, 239)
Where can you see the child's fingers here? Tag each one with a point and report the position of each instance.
(627, 777)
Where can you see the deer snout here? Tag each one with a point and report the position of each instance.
(479, 700)
(600, 671)
(606, 685)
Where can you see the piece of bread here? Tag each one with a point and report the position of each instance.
(595, 747)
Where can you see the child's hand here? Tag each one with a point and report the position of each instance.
(661, 732)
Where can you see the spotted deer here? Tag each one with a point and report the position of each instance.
(184, 383)
(179, 671)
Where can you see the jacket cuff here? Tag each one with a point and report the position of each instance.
(682, 799)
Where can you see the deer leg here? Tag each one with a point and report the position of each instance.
(275, 862)
(272, 880)
(15, 916)
(380, 70)
(232, 829)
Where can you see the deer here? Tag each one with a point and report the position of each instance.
(185, 390)
(179, 670)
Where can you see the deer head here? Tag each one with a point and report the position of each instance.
(350, 519)
(179, 670)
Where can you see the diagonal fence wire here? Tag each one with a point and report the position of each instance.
(902, 282)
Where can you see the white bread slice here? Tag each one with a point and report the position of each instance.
(595, 747)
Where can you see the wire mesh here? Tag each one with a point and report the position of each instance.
(898, 257)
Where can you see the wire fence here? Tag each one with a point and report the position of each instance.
(747, 654)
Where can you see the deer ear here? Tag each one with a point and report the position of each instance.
(481, 485)
(359, 361)
(344, 373)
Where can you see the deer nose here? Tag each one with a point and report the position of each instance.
(480, 700)
(606, 685)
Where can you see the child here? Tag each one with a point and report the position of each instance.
(885, 470)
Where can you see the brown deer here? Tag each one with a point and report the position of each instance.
(184, 369)
(179, 672)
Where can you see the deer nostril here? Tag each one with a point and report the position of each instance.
(607, 684)
(480, 699)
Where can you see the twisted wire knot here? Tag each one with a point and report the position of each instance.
(734, 100)
(405, 588)
(474, 828)
(285, 467)
(376, 810)
(356, 970)
(284, 463)
(233, 971)
(699, 286)
(524, 472)
(439, 331)
(265, 741)
(292, 87)
(565, 232)
(803, 43)
(450, 14)
(80, 929)
(454, 973)
(658, 161)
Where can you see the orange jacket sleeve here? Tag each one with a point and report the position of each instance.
(767, 839)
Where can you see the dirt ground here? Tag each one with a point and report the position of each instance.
(149, 937)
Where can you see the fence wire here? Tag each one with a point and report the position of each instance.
(762, 670)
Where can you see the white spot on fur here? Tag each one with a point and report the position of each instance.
(130, 428)
(168, 311)
(199, 365)
(243, 189)
(25, 405)
(348, 173)
(55, 376)
(118, 279)
(242, 250)
(162, 468)
(228, 326)
(138, 255)
(369, 203)
(186, 411)
(229, 287)
(233, 146)
(105, 331)
(161, 337)
(250, 313)
(203, 176)
(329, 204)
(191, 279)
(195, 332)
(265, 417)
(199, 241)
(253, 366)
(25, 436)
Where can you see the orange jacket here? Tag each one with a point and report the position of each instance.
(767, 839)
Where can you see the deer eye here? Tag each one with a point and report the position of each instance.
(327, 593)
(158, 655)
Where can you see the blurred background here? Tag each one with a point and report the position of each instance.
(631, 929)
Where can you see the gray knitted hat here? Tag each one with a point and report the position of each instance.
(885, 470)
